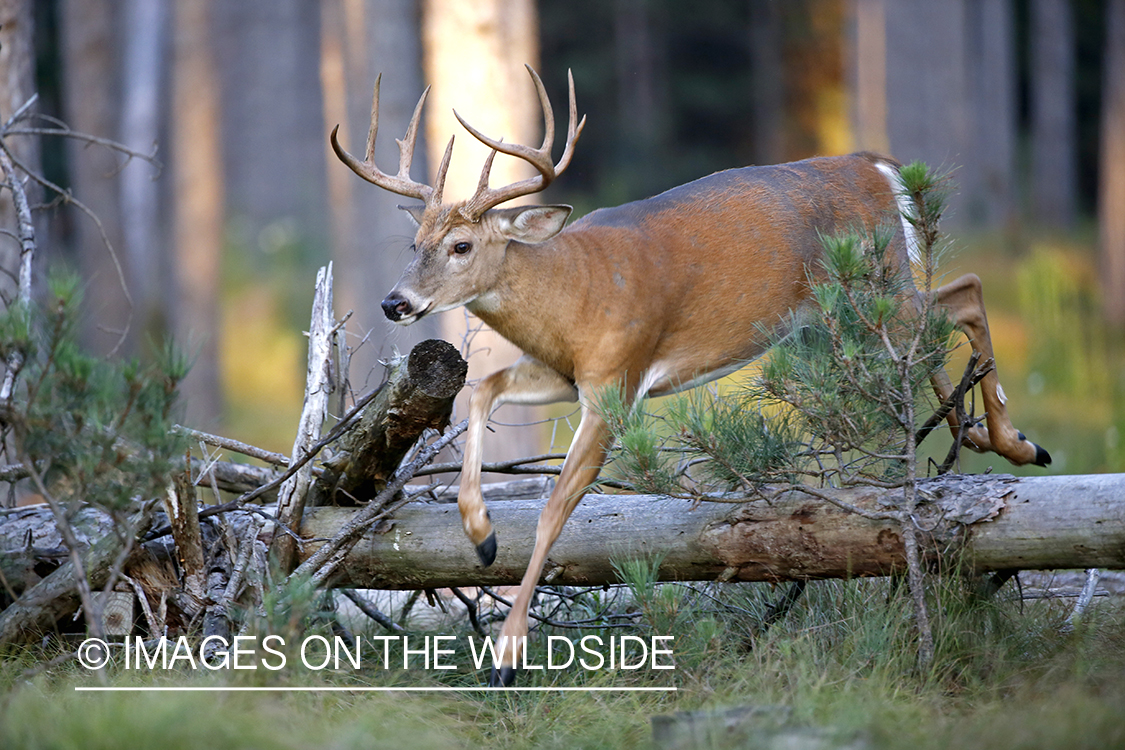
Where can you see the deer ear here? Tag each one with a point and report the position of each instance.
(532, 223)
(415, 213)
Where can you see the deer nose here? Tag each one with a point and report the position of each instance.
(396, 306)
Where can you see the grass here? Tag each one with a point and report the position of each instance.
(1007, 675)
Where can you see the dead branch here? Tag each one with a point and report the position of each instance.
(235, 446)
(56, 596)
(183, 513)
(319, 385)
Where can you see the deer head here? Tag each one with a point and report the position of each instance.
(459, 247)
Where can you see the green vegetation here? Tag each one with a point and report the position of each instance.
(1005, 675)
(97, 432)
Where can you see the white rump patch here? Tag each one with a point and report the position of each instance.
(657, 380)
(654, 375)
(906, 209)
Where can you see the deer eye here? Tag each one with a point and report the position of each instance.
(461, 248)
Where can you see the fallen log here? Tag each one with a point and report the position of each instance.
(31, 546)
(990, 522)
(56, 596)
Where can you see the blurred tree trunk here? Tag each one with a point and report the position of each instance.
(474, 55)
(926, 95)
(869, 75)
(988, 162)
(1053, 146)
(371, 237)
(641, 93)
(17, 84)
(815, 97)
(949, 96)
(197, 164)
(768, 71)
(92, 103)
(145, 51)
(267, 58)
(1111, 188)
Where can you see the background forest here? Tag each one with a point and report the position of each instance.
(1023, 99)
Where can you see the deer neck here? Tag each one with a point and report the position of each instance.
(526, 304)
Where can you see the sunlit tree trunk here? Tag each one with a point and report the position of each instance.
(1053, 146)
(197, 205)
(474, 55)
(370, 236)
(91, 105)
(1111, 188)
(816, 109)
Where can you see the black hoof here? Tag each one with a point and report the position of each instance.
(1042, 457)
(486, 550)
(503, 677)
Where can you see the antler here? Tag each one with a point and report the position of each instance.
(485, 197)
(401, 182)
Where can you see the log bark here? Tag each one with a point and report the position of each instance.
(994, 522)
(990, 523)
(417, 396)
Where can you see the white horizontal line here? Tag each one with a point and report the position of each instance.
(360, 689)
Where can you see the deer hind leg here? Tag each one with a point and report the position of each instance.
(583, 462)
(965, 303)
(528, 381)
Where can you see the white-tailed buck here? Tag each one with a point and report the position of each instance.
(653, 296)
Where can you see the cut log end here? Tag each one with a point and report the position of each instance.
(437, 369)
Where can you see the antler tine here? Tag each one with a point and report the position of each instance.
(548, 114)
(401, 182)
(373, 128)
(439, 184)
(540, 158)
(482, 183)
(406, 145)
(572, 130)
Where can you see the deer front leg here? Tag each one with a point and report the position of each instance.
(583, 462)
(528, 381)
(964, 300)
